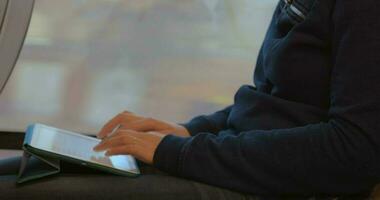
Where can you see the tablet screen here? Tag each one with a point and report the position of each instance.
(78, 146)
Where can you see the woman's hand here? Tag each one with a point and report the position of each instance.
(129, 121)
(141, 145)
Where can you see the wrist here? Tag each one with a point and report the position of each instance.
(183, 131)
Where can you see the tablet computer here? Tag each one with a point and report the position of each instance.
(76, 148)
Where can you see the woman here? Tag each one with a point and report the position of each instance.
(309, 127)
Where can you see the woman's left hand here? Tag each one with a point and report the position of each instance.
(141, 145)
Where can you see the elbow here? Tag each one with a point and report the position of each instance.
(359, 145)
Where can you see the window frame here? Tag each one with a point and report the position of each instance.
(15, 17)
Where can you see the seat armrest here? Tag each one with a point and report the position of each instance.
(11, 140)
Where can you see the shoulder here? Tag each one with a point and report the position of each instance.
(357, 9)
(360, 16)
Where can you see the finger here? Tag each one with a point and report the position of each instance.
(143, 125)
(119, 119)
(123, 133)
(109, 142)
(121, 137)
(110, 125)
(122, 150)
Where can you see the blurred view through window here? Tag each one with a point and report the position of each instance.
(84, 61)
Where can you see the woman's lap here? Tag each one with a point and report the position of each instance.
(76, 182)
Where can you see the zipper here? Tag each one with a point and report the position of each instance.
(294, 9)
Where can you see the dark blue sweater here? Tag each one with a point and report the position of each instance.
(312, 123)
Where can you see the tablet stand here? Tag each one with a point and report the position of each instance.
(35, 167)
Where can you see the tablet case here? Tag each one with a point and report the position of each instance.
(34, 167)
(37, 163)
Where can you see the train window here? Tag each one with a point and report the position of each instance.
(83, 61)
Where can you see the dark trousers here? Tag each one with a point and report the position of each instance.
(76, 182)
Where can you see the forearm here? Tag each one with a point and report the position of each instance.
(315, 159)
(208, 123)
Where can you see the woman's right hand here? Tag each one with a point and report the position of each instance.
(129, 121)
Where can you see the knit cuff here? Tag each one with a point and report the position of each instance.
(170, 153)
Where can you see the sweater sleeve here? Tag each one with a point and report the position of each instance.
(338, 156)
(208, 123)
